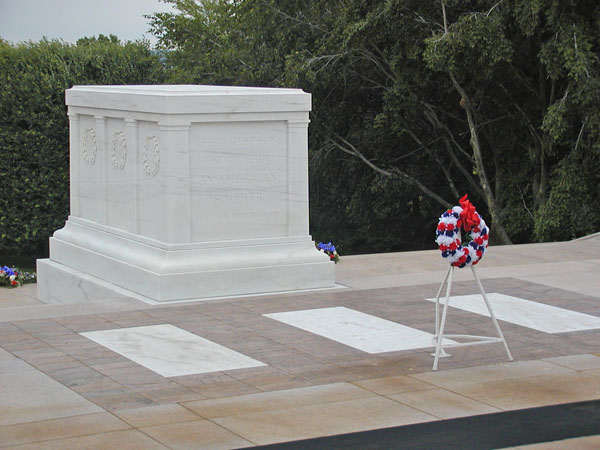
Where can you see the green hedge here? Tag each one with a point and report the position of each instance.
(34, 133)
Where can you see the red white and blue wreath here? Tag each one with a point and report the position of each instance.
(449, 227)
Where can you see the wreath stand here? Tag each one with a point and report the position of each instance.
(439, 327)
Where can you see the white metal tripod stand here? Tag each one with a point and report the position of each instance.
(439, 327)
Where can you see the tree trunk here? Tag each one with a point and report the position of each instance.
(483, 179)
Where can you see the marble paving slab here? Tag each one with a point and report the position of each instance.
(171, 351)
(527, 313)
(31, 396)
(356, 329)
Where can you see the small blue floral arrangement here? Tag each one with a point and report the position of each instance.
(13, 277)
(329, 249)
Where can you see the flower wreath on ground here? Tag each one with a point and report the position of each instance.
(329, 249)
(13, 277)
(449, 233)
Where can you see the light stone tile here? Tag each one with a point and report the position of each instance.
(356, 329)
(46, 311)
(30, 395)
(4, 355)
(528, 392)
(171, 351)
(443, 404)
(199, 434)
(277, 400)
(534, 315)
(594, 372)
(577, 362)
(14, 365)
(59, 428)
(156, 415)
(393, 385)
(322, 420)
(518, 369)
(575, 280)
(122, 440)
(580, 443)
(13, 298)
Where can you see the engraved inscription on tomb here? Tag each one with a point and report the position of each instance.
(240, 177)
(222, 141)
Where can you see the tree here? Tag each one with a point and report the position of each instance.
(529, 53)
(415, 103)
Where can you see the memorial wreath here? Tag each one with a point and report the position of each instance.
(330, 250)
(13, 277)
(463, 217)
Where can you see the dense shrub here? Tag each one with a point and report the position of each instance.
(34, 131)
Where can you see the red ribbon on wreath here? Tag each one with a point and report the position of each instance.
(468, 216)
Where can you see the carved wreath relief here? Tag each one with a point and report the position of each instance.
(119, 139)
(150, 163)
(89, 139)
(151, 168)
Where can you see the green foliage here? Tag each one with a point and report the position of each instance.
(391, 143)
(571, 210)
(34, 155)
(476, 43)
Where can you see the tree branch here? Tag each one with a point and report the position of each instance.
(436, 123)
(350, 149)
(303, 21)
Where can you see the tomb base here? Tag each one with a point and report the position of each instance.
(91, 262)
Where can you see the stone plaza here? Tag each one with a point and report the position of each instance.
(62, 389)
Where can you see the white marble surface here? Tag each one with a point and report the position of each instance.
(177, 191)
(58, 283)
(534, 315)
(362, 331)
(189, 99)
(171, 351)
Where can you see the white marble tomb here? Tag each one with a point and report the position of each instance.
(182, 192)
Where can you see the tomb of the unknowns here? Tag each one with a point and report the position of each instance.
(185, 192)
